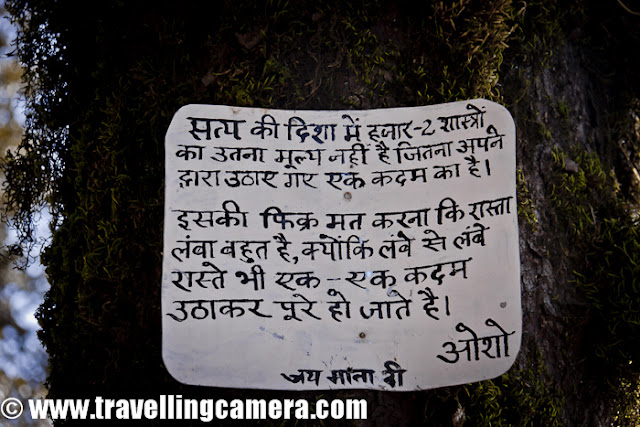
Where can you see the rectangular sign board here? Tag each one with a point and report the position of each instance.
(310, 250)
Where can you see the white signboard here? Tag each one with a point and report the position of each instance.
(312, 250)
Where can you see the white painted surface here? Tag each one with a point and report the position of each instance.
(325, 350)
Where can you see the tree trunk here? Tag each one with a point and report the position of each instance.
(94, 151)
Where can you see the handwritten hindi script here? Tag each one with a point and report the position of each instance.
(311, 250)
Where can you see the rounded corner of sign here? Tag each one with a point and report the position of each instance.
(503, 369)
(503, 110)
(176, 372)
(185, 110)
(509, 363)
